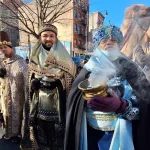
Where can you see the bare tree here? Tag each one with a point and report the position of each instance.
(29, 17)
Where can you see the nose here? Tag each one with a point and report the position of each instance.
(48, 38)
(109, 42)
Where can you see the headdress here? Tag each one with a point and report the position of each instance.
(48, 27)
(4, 39)
(107, 31)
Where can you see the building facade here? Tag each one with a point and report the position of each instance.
(80, 27)
(96, 19)
(72, 28)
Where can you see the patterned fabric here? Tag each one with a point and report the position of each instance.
(14, 94)
(59, 63)
(109, 31)
(48, 141)
(58, 57)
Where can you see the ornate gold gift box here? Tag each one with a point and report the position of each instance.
(90, 92)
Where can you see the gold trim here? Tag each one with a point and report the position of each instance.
(5, 43)
(103, 117)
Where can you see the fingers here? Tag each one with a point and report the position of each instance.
(112, 93)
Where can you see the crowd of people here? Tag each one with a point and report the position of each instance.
(47, 104)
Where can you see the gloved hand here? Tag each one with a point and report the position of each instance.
(2, 72)
(108, 104)
(35, 84)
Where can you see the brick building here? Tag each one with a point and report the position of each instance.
(80, 26)
(96, 19)
(72, 30)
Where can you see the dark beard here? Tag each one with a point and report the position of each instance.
(8, 56)
(46, 48)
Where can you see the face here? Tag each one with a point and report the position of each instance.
(48, 38)
(6, 50)
(108, 44)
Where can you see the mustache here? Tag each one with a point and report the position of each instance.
(48, 42)
(109, 45)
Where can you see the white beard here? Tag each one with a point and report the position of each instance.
(112, 54)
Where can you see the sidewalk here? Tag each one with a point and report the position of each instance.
(7, 144)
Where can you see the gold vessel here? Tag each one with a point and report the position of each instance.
(89, 92)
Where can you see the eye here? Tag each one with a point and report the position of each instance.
(104, 41)
(44, 35)
(113, 40)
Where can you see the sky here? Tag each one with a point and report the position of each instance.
(115, 8)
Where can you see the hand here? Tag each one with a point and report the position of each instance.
(2, 72)
(108, 104)
(35, 84)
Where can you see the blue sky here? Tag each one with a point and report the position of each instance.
(115, 8)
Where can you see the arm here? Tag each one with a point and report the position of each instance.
(142, 57)
(33, 109)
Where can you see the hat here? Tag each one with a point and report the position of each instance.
(107, 31)
(4, 39)
(48, 27)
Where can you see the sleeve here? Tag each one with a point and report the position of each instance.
(141, 57)
(33, 109)
(137, 79)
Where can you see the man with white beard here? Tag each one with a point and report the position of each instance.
(112, 86)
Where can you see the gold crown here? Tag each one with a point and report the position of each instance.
(5, 43)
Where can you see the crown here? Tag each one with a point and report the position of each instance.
(5, 43)
(4, 39)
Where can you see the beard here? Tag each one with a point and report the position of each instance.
(112, 55)
(7, 55)
(111, 47)
(47, 46)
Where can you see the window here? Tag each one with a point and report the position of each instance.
(83, 31)
(75, 13)
(83, 43)
(79, 42)
(79, 30)
(75, 41)
(83, 5)
(75, 27)
(79, 16)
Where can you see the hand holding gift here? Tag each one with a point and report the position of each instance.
(107, 104)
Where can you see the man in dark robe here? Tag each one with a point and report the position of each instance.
(107, 42)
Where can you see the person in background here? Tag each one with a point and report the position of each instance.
(13, 80)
